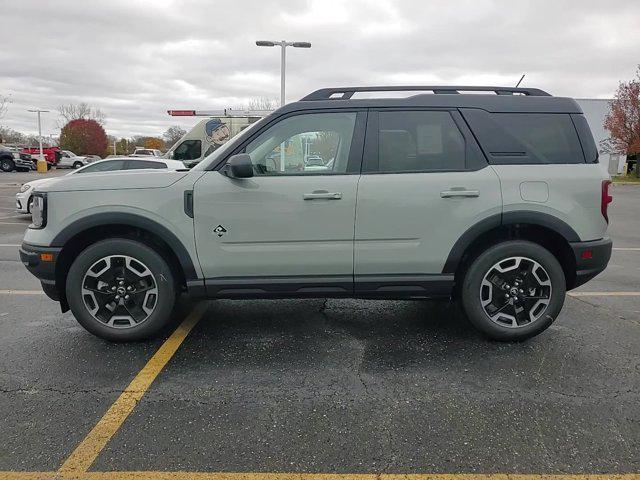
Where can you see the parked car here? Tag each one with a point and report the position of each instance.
(51, 154)
(495, 201)
(68, 159)
(146, 152)
(11, 159)
(24, 198)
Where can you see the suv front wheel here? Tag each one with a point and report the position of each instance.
(121, 290)
(513, 290)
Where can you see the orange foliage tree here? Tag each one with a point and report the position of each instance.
(155, 143)
(623, 119)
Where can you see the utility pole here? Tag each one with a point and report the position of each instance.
(41, 158)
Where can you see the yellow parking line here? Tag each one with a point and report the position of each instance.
(21, 292)
(89, 449)
(161, 475)
(603, 294)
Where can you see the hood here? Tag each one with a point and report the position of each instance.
(118, 180)
(39, 182)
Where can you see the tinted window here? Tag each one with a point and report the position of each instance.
(188, 150)
(586, 138)
(419, 141)
(137, 164)
(547, 138)
(107, 166)
(284, 148)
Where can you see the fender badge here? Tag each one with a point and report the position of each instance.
(220, 230)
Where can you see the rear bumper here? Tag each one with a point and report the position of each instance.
(591, 258)
(45, 271)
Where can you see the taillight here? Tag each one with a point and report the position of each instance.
(605, 199)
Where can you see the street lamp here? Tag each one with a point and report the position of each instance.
(283, 46)
(41, 159)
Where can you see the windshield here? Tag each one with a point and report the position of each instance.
(214, 156)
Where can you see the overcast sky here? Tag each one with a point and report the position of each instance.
(135, 59)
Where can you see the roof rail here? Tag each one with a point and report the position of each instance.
(345, 93)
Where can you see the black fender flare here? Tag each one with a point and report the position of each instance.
(505, 219)
(131, 220)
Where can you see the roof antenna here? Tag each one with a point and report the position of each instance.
(520, 81)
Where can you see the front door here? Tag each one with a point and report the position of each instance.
(288, 229)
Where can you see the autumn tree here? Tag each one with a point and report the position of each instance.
(623, 120)
(155, 143)
(173, 134)
(9, 135)
(79, 111)
(84, 137)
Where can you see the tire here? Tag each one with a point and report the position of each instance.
(152, 294)
(77, 165)
(526, 312)
(7, 164)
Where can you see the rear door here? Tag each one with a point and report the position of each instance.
(424, 183)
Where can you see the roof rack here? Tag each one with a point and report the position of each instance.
(345, 93)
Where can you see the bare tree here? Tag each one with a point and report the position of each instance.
(173, 134)
(262, 103)
(4, 104)
(9, 135)
(78, 111)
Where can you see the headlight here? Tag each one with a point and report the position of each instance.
(25, 187)
(39, 211)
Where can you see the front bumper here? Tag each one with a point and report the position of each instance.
(22, 163)
(591, 258)
(41, 262)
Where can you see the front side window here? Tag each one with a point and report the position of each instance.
(188, 150)
(316, 143)
(419, 141)
(109, 166)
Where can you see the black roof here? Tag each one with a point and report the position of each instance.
(503, 99)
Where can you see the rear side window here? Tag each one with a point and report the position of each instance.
(418, 141)
(526, 138)
(137, 164)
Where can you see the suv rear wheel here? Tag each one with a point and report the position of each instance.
(121, 290)
(77, 165)
(513, 290)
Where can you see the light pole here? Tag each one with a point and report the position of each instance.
(283, 58)
(283, 44)
(41, 159)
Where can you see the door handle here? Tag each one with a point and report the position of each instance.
(459, 192)
(322, 195)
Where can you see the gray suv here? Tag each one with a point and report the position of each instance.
(491, 196)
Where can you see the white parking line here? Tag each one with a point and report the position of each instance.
(9, 245)
(21, 292)
(627, 249)
(603, 294)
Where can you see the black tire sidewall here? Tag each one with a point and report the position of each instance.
(478, 269)
(7, 165)
(77, 165)
(145, 254)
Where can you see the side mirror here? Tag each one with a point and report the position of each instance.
(239, 166)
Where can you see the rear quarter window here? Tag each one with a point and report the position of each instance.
(526, 138)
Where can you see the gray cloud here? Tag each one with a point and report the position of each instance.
(135, 59)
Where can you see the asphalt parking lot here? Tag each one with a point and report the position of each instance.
(304, 388)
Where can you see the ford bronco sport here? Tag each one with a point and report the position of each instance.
(489, 195)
